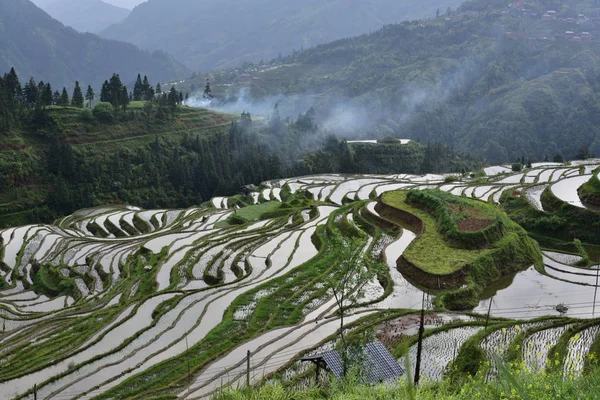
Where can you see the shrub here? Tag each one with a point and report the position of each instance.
(86, 115)
(517, 167)
(104, 112)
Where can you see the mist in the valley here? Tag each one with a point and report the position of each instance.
(370, 116)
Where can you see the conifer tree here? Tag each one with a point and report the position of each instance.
(124, 98)
(77, 99)
(64, 98)
(138, 89)
(105, 93)
(89, 96)
(46, 95)
(30, 92)
(207, 91)
(56, 98)
(158, 88)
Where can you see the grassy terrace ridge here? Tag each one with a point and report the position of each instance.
(461, 263)
(432, 252)
(79, 129)
(589, 192)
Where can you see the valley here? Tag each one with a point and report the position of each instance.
(119, 302)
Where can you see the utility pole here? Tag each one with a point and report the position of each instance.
(595, 291)
(420, 345)
(487, 319)
(35, 392)
(248, 369)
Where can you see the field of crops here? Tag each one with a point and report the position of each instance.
(118, 302)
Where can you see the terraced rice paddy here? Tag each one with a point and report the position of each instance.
(115, 302)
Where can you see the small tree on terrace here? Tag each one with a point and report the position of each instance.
(77, 99)
(64, 98)
(89, 96)
(352, 273)
(207, 91)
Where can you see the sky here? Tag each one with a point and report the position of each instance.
(125, 3)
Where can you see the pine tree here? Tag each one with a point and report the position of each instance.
(105, 92)
(138, 89)
(207, 91)
(158, 88)
(124, 98)
(30, 92)
(77, 99)
(46, 95)
(116, 90)
(89, 96)
(64, 98)
(147, 91)
(56, 98)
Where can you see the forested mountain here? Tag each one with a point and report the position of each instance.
(37, 45)
(500, 81)
(205, 34)
(142, 147)
(83, 15)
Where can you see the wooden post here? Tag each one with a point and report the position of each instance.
(318, 364)
(35, 392)
(595, 291)
(248, 369)
(420, 344)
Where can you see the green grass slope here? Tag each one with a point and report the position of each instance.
(463, 245)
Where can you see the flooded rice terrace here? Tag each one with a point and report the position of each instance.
(130, 290)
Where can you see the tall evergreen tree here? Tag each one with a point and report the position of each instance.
(124, 98)
(30, 92)
(89, 96)
(46, 95)
(77, 99)
(116, 90)
(56, 98)
(64, 98)
(105, 92)
(207, 91)
(158, 88)
(138, 89)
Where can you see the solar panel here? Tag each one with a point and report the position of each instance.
(376, 364)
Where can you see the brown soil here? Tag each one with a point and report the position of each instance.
(473, 223)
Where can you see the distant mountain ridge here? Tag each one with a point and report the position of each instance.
(208, 34)
(39, 46)
(84, 15)
(486, 80)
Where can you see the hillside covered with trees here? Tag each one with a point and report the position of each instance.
(205, 35)
(37, 45)
(502, 82)
(140, 146)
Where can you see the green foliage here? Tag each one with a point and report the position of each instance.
(515, 382)
(104, 112)
(471, 260)
(517, 167)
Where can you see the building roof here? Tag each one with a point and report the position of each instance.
(378, 365)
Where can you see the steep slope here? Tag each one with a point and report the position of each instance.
(206, 34)
(487, 79)
(84, 15)
(37, 45)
